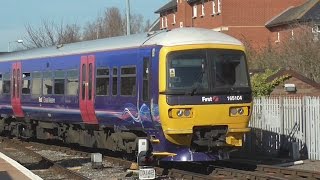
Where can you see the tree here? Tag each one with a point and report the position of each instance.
(50, 34)
(300, 53)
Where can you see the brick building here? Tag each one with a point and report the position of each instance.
(244, 19)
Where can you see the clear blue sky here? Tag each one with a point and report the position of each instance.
(15, 14)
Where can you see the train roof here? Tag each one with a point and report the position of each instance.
(179, 36)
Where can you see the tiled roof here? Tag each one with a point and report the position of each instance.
(169, 6)
(306, 12)
(292, 73)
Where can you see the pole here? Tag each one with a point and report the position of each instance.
(128, 17)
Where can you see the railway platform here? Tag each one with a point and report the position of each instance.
(12, 170)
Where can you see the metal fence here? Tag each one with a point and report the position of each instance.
(279, 122)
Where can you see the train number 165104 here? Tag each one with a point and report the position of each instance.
(234, 98)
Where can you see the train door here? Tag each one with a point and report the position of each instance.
(87, 89)
(16, 90)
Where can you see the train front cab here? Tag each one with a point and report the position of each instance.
(205, 100)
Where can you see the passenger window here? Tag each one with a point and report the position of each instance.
(59, 82)
(47, 83)
(36, 83)
(115, 81)
(72, 82)
(6, 83)
(0, 84)
(26, 83)
(102, 82)
(128, 81)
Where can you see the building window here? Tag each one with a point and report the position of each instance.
(47, 83)
(213, 8)
(202, 10)
(26, 83)
(36, 83)
(166, 21)
(174, 19)
(195, 13)
(102, 86)
(219, 6)
(59, 82)
(128, 81)
(162, 23)
(278, 38)
(72, 82)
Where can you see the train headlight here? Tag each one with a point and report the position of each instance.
(233, 111)
(187, 112)
(239, 111)
(180, 113)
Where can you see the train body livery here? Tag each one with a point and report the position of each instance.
(187, 91)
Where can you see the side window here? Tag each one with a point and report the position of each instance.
(128, 81)
(47, 83)
(102, 82)
(115, 81)
(26, 83)
(6, 83)
(0, 84)
(72, 82)
(36, 83)
(59, 82)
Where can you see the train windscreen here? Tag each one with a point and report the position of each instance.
(206, 71)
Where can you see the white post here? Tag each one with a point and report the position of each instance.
(128, 17)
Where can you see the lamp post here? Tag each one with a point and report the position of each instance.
(20, 41)
(128, 17)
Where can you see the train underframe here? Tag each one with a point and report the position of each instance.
(207, 144)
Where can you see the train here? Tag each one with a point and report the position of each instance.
(186, 91)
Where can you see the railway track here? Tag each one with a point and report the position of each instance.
(45, 167)
(220, 170)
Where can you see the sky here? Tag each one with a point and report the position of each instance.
(15, 14)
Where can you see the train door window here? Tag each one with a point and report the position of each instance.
(90, 80)
(0, 84)
(47, 83)
(59, 82)
(146, 79)
(128, 81)
(6, 83)
(26, 83)
(72, 82)
(36, 83)
(83, 83)
(102, 82)
(115, 81)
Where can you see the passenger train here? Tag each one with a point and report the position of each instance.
(186, 91)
